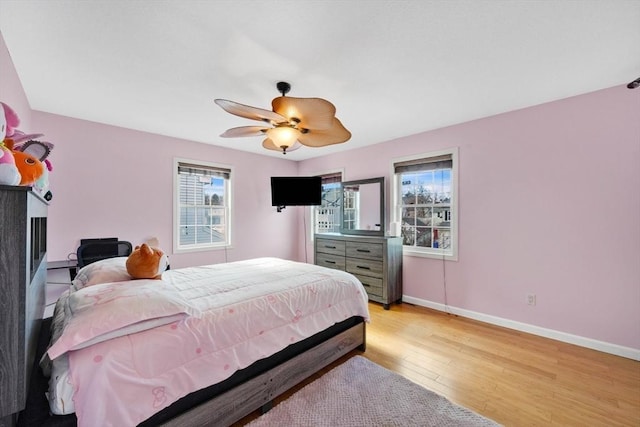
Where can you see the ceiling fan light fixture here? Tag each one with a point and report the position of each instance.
(283, 136)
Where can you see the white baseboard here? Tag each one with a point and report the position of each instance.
(618, 350)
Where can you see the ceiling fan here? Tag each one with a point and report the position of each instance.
(294, 122)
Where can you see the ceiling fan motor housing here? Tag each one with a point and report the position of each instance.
(283, 88)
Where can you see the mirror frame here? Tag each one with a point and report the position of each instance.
(381, 232)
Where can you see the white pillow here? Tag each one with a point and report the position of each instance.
(104, 271)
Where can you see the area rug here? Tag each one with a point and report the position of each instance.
(361, 393)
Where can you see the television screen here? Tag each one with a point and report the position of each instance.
(296, 190)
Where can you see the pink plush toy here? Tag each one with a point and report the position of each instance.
(9, 174)
(11, 120)
(23, 160)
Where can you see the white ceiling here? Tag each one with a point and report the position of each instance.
(391, 68)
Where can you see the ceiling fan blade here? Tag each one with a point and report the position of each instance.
(313, 113)
(244, 131)
(249, 112)
(270, 145)
(319, 138)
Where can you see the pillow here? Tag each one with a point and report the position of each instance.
(111, 310)
(103, 271)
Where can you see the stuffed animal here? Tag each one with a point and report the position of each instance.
(20, 156)
(9, 174)
(29, 166)
(18, 137)
(42, 184)
(29, 158)
(39, 150)
(146, 262)
(11, 120)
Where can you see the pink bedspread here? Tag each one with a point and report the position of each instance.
(246, 311)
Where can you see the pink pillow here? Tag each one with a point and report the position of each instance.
(104, 271)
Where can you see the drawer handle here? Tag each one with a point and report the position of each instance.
(366, 286)
(329, 247)
(330, 262)
(363, 250)
(363, 267)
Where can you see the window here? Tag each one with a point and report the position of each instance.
(327, 215)
(425, 199)
(202, 206)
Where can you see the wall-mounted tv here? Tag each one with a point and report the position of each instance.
(296, 190)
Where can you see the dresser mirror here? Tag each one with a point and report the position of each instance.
(363, 207)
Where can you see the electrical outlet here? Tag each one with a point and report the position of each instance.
(531, 299)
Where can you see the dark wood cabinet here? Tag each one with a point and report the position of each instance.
(23, 273)
(375, 260)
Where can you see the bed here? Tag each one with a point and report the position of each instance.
(203, 346)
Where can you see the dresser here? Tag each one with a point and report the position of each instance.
(375, 260)
(23, 272)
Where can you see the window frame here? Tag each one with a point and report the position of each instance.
(228, 207)
(396, 205)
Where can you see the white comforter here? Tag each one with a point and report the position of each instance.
(135, 347)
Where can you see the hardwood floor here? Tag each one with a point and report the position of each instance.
(514, 378)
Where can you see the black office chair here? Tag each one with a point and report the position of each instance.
(100, 249)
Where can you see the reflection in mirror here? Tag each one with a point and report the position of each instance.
(363, 207)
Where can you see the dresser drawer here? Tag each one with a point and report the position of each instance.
(331, 261)
(364, 250)
(372, 285)
(364, 267)
(326, 246)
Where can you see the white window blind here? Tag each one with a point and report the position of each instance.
(418, 165)
(202, 206)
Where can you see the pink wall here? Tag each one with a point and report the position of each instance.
(11, 91)
(549, 204)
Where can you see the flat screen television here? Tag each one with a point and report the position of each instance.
(296, 190)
